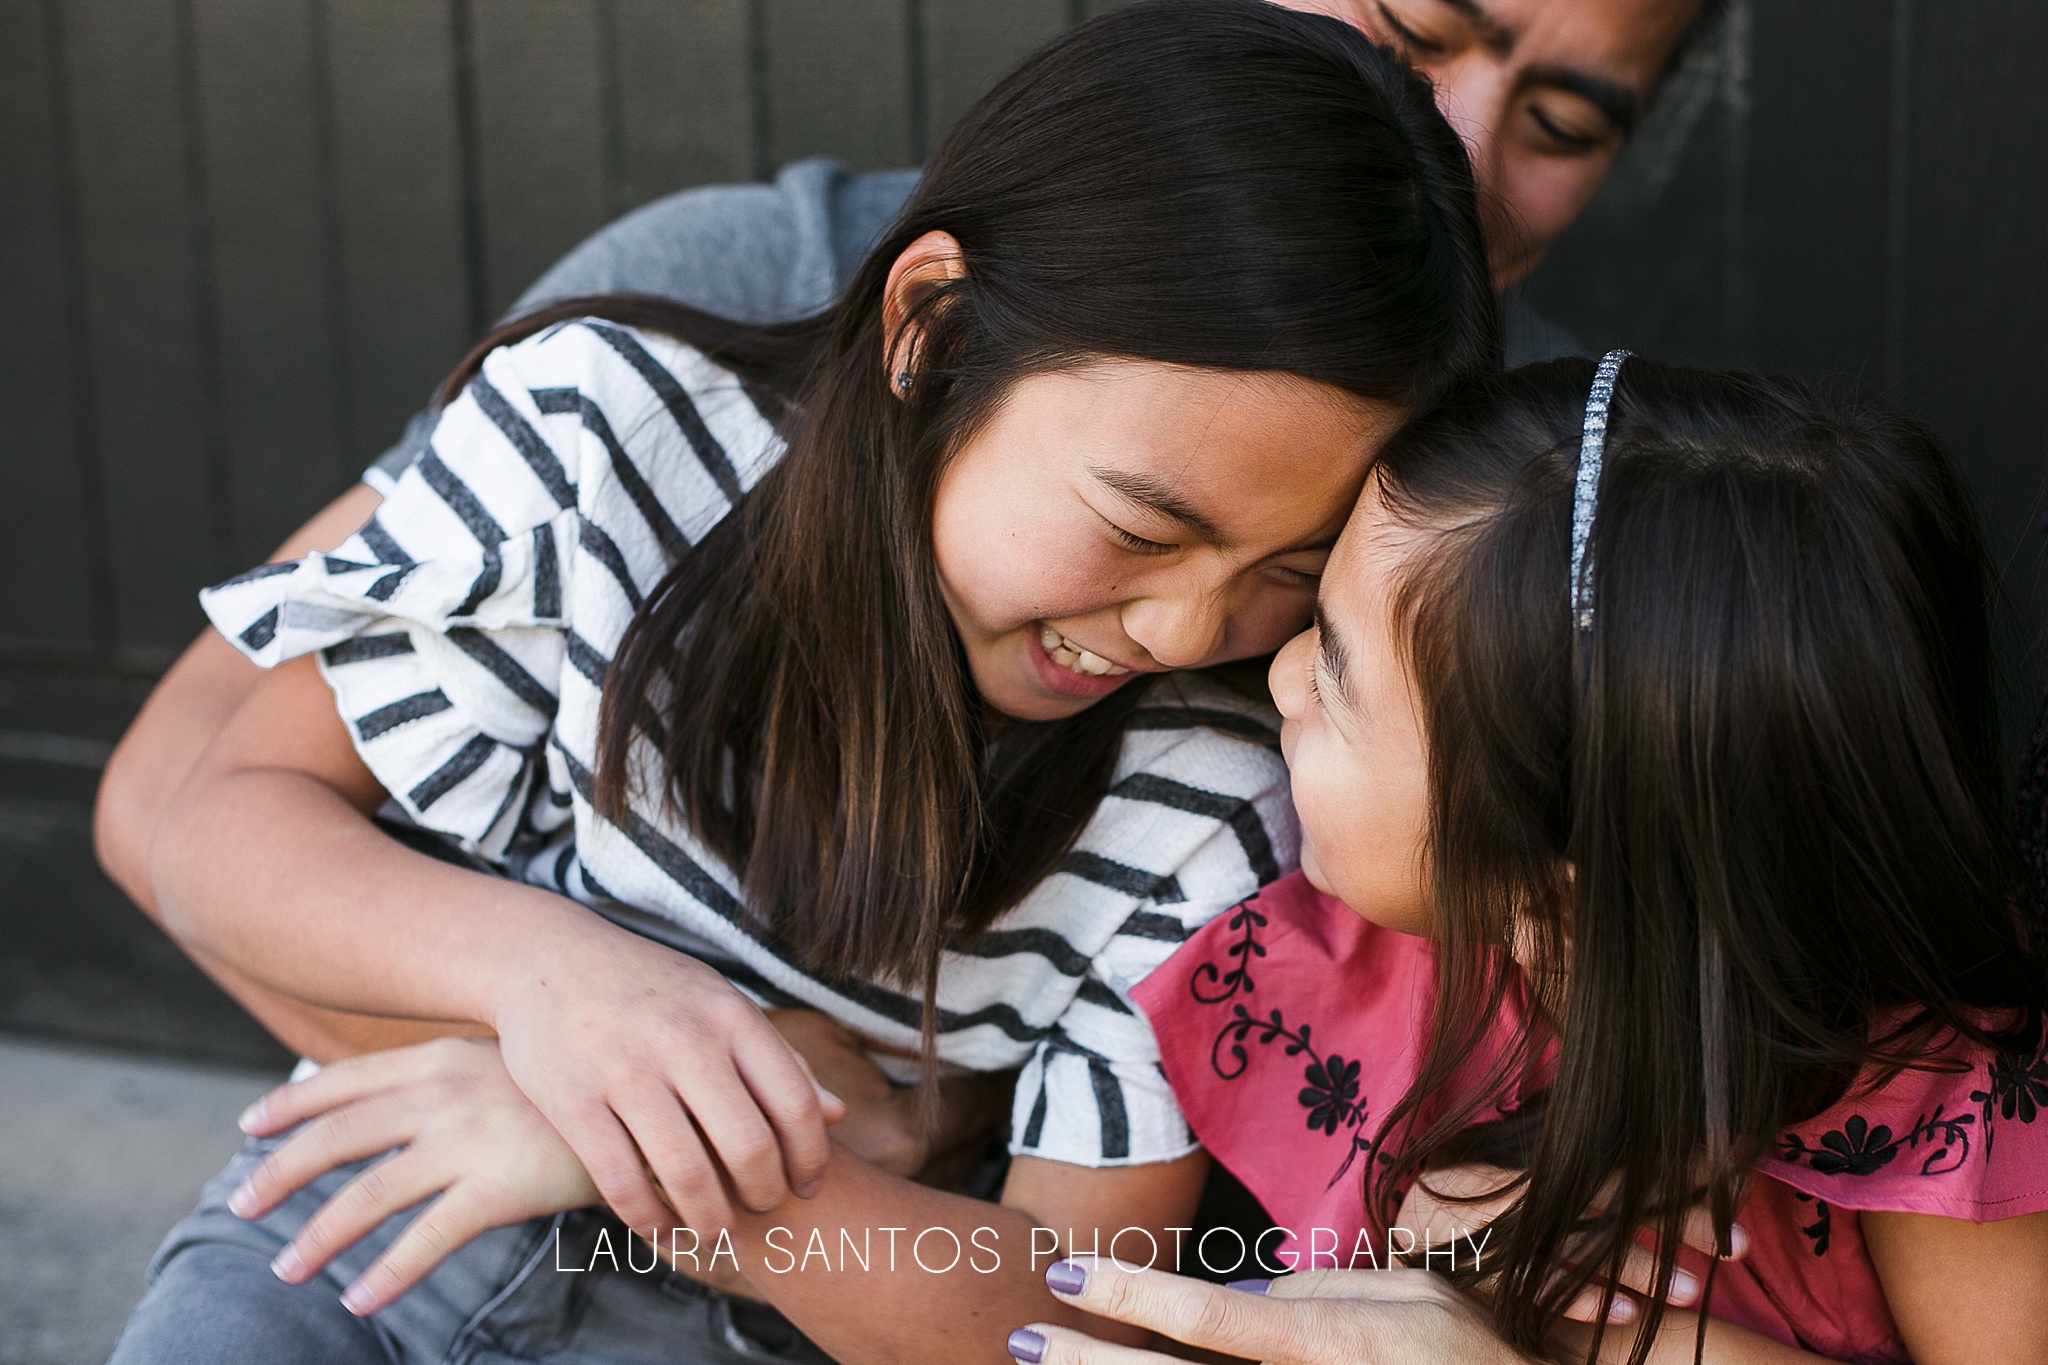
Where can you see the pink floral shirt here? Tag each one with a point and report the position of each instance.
(1290, 1026)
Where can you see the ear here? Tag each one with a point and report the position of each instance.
(932, 260)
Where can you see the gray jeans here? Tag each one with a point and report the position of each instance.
(496, 1301)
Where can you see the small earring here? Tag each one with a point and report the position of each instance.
(903, 382)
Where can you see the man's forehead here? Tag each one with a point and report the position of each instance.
(1635, 36)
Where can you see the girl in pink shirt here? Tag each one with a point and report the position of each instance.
(1652, 856)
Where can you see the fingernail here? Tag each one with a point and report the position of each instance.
(1738, 1242)
(242, 1203)
(1250, 1286)
(1027, 1346)
(288, 1267)
(1685, 1287)
(809, 1189)
(1622, 1310)
(358, 1300)
(1065, 1277)
(252, 1118)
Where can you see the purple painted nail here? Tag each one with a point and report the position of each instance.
(1027, 1346)
(1250, 1286)
(1066, 1277)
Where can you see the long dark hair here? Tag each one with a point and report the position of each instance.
(1216, 183)
(1748, 825)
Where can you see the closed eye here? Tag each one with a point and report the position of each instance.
(1566, 140)
(1135, 542)
(1408, 36)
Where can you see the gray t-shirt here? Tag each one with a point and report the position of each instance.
(769, 253)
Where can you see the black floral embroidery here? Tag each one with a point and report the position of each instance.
(2018, 1088)
(1245, 921)
(1331, 1093)
(1822, 1229)
(1858, 1148)
(1855, 1148)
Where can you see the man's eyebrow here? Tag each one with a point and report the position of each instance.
(1331, 647)
(1492, 32)
(1622, 106)
(1157, 496)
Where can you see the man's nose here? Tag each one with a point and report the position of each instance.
(1472, 94)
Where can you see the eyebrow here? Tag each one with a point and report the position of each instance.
(1331, 648)
(1492, 31)
(1156, 496)
(1622, 106)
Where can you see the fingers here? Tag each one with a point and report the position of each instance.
(734, 1126)
(442, 1226)
(792, 1104)
(1699, 1234)
(336, 1084)
(352, 1132)
(608, 1153)
(687, 1178)
(1213, 1316)
(1043, 1344)
(391, 1186)
(830, 1106)
(1586, 1307)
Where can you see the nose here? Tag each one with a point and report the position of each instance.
(1183, 630)
(1472, 97)
(1288, 677)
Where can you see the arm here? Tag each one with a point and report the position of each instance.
(470, 1137)
(1963, 1291)
(182, 716)
(267, 860)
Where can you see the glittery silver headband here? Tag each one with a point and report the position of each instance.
(1586, 493)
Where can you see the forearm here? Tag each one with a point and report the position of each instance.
(325, 1035)
(905, 1315)
(274, 874)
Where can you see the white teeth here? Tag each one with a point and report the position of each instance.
(1069, 655)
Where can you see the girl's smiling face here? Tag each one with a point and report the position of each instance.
(1125, 517)
(1353, 733)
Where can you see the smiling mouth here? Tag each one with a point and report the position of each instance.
(1075, 659)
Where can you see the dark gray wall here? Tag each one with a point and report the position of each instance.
(240, 239)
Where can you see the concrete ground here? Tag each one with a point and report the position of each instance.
(100, 1153)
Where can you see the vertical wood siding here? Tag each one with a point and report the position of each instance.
(241, 239)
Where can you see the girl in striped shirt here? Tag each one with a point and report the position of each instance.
(868, 665)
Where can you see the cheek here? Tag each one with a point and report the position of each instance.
(1545, 193)
(1002, 578)
(1365, 827)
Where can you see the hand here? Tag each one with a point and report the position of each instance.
(658, 1074)
(882, 1124)
(1318, 1317)
(470, 1139)
(1457, 1199)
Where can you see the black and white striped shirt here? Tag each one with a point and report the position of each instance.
(466, 629)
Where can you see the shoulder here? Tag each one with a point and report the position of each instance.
(1965, 1135)
(622, 396)
(751, 252)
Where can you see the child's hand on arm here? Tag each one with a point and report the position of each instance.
(268, 860)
